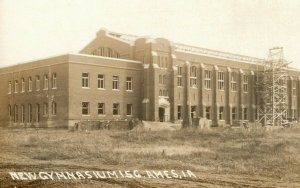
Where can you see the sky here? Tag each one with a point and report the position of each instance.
(36, 29)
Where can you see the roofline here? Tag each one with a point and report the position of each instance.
(103, 57)
(66, 54)
(34, 60)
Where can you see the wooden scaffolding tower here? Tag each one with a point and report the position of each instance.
(272, 98)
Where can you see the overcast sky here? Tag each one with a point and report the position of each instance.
(34, 29)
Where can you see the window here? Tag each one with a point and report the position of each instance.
(129, 109)
(193, 77)
(9, 111)
(193, 111)
(164, 81)
(23, 85)
(158, 61)
(160, 93)
(54, 106)
(179, 77)
(46, 82)
(233, 113)
(29, 113)
(233, 83)
(22, 113)
(207, 112)
(29, 84)
(45, 109)
(207, 79)
(37, 112)
(179, 112)
(37, 83)
(245, 114)
(15, 113)
(160, 79)
(9, 87)
(85, 80)
(101, 81)
(221, 113)
(294, 87)
(162, 61)
(129, 83)
(245, 83)
(221, 79)
(54, 81)
(85, 108)
(115, 84)
(16, 86)
(116, 109)
(294, 114)
(101, 110)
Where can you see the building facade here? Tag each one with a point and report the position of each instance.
(118, 76)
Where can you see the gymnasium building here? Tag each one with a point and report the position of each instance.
(119, 76)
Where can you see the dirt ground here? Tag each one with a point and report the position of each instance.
(219, 157)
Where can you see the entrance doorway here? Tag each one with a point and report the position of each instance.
(161, 114)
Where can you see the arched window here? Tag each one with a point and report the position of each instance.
(15, 113)
(107, 52)
(54, 108)
(164, 79)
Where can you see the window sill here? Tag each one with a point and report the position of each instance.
(129, 90)
(45, 89)
(54, 88)
(101, 115)
(85, 87)
(85, 115)
(115, 89)
(101, 88)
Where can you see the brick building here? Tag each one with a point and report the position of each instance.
(118, 76)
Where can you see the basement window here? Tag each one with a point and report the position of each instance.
(221, 113)
(129, 110)
(85, 108)
(116, 108)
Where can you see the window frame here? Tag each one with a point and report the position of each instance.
(193, 77)
(221, 113)
(22, 85)
(101, 81)
(101, 108)
(245, 83)
(233, 81)
(207, 79)
(30, 84)
(115, 82)
(221, 80)
(116, 108)
(9, 87)
(129, 83)
(53, 108)
(85, 107)
(37, 83)
(16, 86)
(131, 109)
(85, 80)
(54, 81)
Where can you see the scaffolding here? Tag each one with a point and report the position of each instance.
(272, 98)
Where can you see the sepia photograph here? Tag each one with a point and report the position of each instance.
(149, 93)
